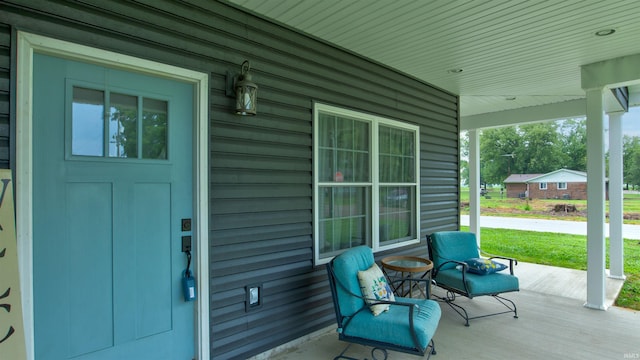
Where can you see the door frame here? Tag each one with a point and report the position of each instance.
(29, 43)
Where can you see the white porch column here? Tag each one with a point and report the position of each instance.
(474, 183)
(616, 199)
(595, 201)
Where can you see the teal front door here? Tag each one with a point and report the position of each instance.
(112, 183)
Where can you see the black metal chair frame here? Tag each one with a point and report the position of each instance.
(452, 292)
(376, 345)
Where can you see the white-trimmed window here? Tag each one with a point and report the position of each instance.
(562, 186)
(543, 186)
(366, 182)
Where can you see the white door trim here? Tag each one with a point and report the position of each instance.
(28, 44)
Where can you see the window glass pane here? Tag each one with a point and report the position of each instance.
(408, 169)
(327, 143)
(344, 150)
(396, 145)
(408, 143)
(344, 218)
(123, 126)
(396, 158)
(397, 214)
(361, 167)
(361, 136)
(384, 166)
(327, 131)
(326, 165)
(344, 133)
(87, 122)
(383, 139)
(344, 166)
(154, 129)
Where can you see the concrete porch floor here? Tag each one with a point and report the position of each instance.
(552, 324)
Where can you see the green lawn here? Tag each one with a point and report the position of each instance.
(563, 250)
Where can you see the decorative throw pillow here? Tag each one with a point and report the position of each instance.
(374, 288)
(484, 266)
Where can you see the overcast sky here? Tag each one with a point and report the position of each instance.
(631, 122)
(630, 125)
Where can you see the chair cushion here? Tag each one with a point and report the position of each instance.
(374, 287)
(453, 245)
(393, 325)
(478, 284)
(483, 266)
(345, 269)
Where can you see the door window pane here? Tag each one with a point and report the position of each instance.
(154, 129)
(137, 128)
(123, 126)
(87, 122)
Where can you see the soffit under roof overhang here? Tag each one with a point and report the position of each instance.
(519, 59)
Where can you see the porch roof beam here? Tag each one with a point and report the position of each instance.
(548, 112)
(612, 73)
(555, 111)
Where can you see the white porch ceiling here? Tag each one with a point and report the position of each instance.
(514, 53)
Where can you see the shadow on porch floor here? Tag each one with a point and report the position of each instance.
(552, 324)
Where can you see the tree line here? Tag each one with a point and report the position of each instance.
(541, 148)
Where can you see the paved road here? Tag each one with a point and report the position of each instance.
(560, 226)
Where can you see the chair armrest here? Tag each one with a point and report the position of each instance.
(411, 307)
(463, 271)
(512, 261)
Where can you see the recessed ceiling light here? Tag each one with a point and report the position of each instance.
(605, 32)
(454, 71)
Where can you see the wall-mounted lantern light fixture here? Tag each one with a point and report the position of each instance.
(246, 91)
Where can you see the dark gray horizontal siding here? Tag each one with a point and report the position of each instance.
(260, 175)
(439, 182)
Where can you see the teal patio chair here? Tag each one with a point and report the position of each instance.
(404, 324)
(459, 269)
